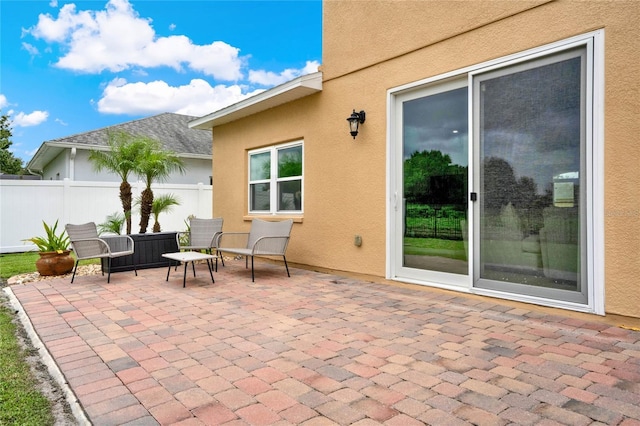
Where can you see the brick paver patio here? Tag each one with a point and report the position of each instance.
(321, 349)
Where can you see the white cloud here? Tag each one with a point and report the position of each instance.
(117, 39)
(198, 98)
(269, 78)
(3, 101)
(27, 120)
(33, 51)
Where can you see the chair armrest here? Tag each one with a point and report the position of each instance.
(215, 240)
(84, 248)
(118, 243)
(231, 240)
(276, 245)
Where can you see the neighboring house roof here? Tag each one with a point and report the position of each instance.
(290, 91)
(171, 130)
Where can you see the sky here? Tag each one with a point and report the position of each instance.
(68, 67)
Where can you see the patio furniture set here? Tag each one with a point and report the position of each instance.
(204, 241)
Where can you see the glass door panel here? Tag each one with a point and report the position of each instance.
(530, 229)
(435, 175)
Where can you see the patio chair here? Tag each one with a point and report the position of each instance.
(264, 239)
(87, 245)
(202, 235)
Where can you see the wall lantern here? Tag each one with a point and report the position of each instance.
(355, 120)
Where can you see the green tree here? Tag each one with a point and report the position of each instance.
(156, 164)
(419, 170)
(8, 163)
(162, 204)
(123, 158)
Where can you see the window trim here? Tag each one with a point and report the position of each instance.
(274, 180)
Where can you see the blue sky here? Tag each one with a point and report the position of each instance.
(71, 67)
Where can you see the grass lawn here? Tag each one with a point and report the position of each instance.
(17, 263)
(21, 400)
(21, 403)
(23, 263)
(453, 249)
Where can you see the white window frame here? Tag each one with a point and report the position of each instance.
(274, 180)
(594, 41)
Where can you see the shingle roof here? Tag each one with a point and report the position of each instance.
(171, 130)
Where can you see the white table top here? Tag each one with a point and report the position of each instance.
(188, 256)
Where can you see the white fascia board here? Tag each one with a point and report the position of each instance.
(290, 91)
(45, 154)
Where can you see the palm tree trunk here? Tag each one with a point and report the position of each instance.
(145, 209)
(126, 199)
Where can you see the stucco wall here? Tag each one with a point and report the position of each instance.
(345, 180)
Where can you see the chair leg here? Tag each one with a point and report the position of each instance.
(252, 275)
(221, 259)
(109, 273)
(286, 266)
(74, 271)
(211, 253)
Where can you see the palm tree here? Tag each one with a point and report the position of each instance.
(112, 225)
(162, 204)
(156, 164)
(122, 158)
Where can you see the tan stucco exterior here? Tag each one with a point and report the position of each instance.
(369, 48)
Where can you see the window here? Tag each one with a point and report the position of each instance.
(277, 167)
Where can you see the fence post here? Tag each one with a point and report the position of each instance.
(199, 202)
(66, 201)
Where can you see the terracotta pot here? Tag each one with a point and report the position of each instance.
(54, 263)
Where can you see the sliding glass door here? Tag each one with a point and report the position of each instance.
(434, 172)
(530, 173)
(492, 179)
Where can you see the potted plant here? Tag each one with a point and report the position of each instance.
(54, 253)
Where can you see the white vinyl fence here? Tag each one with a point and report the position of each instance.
(25, 204)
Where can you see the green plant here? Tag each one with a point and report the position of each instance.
(122, 158)
(52, 241)
(156, 164)
(162, 204)
(184, 236)
(113, 224)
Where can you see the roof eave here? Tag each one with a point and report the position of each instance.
(47, 152)
(290, 91)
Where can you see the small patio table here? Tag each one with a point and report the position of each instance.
(186, 257)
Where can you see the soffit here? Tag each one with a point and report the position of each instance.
(287, 92)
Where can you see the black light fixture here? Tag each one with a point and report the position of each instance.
(355, 120)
